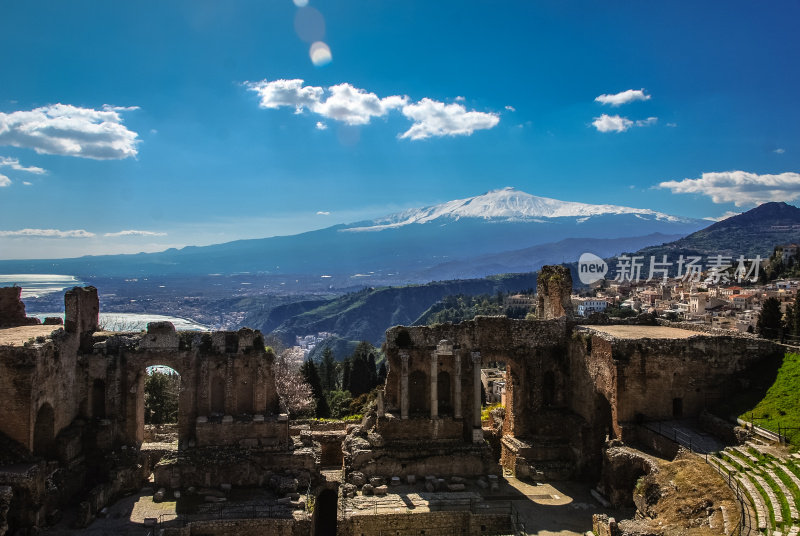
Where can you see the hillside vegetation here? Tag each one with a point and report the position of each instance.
(367, 314)
(460, 308)
(781, 404)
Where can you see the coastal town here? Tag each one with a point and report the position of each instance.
(717, 296)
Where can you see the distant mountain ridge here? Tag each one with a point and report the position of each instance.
(755, 232)
(367, 314)
(400, 248)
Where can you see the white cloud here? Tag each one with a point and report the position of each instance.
(740, 187)
(323, 213)
(434, 118)
(67, 130)
(725, 216)
(612, 123)
(279, 93)
(779, 151)
(133, 232)
(672, 125)
(49, 233)
(460, 99)
(14, 164)
(616, 123)
(354, 106)
(623, 97)
(510, 108)
(4, 181)
(26, 183)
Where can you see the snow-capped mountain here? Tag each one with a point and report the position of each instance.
(448, 240)
(508, 204)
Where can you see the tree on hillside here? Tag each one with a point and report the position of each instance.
(327, 370)
(382, 372)
(373, 370)
(311, 375)
(347, 368)
(363, 376)
(293, 390)
(791, 323)
(161, 397)
(770, 320)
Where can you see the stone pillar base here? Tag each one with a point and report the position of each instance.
(477, 435)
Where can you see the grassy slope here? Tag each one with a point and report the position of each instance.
(781, 404)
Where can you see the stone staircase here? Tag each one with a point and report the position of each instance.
(771, 483)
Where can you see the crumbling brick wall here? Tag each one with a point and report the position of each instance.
(12, 310)
(553, 291)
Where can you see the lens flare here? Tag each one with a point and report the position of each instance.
(309, 24)
(320, 54)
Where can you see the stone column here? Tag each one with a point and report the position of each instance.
(476, 385)
(457, 401)
(381, 410)
(434, 385)
(404, 385)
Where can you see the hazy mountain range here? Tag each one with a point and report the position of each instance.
(489, 233)
(365, 315)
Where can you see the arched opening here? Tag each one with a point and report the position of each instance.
(443, 393)
(217, 395)
(548, 389)
(418, 393)
(99, 399)
(324, 520)
(162, 387)
(44, 431)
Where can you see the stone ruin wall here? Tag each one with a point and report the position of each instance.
(79, 372)
(223, 375)
(572, 384)
(12, 309)
(492, 338)
(642, 378)
(554, 293)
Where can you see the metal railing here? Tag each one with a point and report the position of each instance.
(746, 522)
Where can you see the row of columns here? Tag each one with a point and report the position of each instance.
(444, 350)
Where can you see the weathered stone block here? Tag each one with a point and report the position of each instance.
(357, 478)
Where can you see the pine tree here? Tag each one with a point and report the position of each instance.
(382, 371)
(347, 367)
(327, 371)
(311, 375)
(360, 380)
(373, 371)
(770, 320)
(792, 323)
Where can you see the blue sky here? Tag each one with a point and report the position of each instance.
(200, 122)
